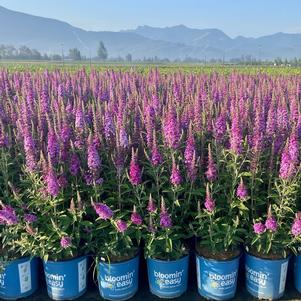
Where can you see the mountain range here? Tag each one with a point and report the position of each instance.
(176, 42)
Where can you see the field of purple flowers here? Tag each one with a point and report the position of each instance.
(96, 162)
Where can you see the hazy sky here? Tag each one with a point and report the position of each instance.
(234, 17)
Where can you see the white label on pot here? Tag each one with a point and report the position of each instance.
(82, 275)
(198, 273)
(283, 277)
(24, 276)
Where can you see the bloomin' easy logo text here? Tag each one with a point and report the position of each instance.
(55, 280)
(222, 280)
(259, 278)
(168, 280)
(118, 282)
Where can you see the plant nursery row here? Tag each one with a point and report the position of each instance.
(118, 165)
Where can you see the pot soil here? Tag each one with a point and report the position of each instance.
(128, 255)
(271, 256)
(221, 255)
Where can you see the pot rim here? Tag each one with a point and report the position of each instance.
(66, 260)
(21, 258)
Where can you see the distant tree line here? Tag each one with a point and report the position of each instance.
(10, 52)
(25, 53)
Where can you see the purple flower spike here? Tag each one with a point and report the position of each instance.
(190, 158)
(209, 201)
(259, 228)
(53, 147)
(136, 217)
(79, 119)
(103, 211)
(151, 207)
(289, 158)
(171, 130)
(109, 128)
(211, 172)
(121, 226)
(3, 137)
(220, 128)
(156, 156)
(296, 227)
(287, 166)
(271, 121)
(165, 220)
(123, 138)
(29, 147)
(65, 133)
(271, 224)
(236, 136)
(53, 187)
(189, 150)
(93, 159)
(175, 178)
(66, 242)
(293, 148)
(286, 171)
(135, 172)
(74, 166)
(30, 218)
(242, 192)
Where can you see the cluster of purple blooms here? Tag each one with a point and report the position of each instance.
(70, 120)
(105, 213)
(8, 216)
(270, 224)
(296, 227)
(66, 242)
(83, 127)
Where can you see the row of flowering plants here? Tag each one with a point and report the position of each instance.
(102, 163)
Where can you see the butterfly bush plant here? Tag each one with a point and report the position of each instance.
(53, 192)
(163, 239)
(222, 214)
(59, 231)
(15, 216)
(275, 233)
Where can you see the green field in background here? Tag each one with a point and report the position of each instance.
(145, 68)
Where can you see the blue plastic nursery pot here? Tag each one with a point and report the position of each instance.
(66, 280)
(19, 278)
(118, 281)
(266, 278)
(168, 279)
(217, 279)
(297, 272)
